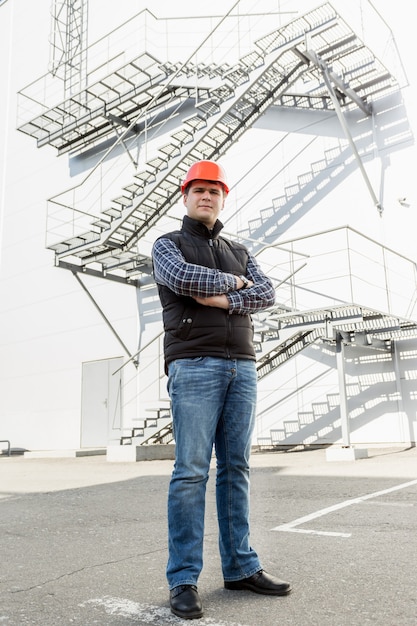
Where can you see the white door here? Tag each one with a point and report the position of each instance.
(101, 401)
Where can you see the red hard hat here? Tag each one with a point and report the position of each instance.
(205, 170)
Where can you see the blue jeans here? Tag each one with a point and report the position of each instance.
(213, 402)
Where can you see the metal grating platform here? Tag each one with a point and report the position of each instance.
(119, 97)
(113, 101)
(324, 324)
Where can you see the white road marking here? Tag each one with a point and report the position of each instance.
(399, 505)
(291, 526)
(147, 613)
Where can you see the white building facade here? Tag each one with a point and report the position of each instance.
(309, 108)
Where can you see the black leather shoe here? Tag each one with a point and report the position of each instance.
(185, 602)
(261, 582)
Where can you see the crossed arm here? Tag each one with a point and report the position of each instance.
(211, 287)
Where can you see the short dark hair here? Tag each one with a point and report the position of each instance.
(215, 182)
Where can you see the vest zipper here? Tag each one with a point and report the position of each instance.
(211, 244)
(227, 346)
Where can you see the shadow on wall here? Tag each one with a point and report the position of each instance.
(389, 129)
(374, 390)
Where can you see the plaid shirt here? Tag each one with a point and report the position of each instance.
(187, 279)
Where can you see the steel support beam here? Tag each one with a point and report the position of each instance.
(330, 77)
(344, 413)
(109, 324)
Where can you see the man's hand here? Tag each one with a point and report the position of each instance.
(221, 302)
(241, 285)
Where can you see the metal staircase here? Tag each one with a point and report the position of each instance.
(217, 123)
(130, 87)
(214, 105)
(115, 100)
(352, 324)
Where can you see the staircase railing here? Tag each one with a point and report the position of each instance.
(294, 324)
(342, 266)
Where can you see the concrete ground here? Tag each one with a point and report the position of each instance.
(83, 541)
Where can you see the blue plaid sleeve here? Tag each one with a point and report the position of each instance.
(187, 279)
(260, 296)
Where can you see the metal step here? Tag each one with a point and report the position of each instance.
(209, 141)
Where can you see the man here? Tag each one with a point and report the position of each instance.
(208, 287)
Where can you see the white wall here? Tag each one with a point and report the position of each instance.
(49, 327)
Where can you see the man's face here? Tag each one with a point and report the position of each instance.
(204, 201)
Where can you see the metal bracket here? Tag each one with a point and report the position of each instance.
(117, 121)
(343, 91)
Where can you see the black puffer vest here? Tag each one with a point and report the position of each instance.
(192, 329)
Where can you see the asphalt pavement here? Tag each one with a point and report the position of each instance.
(83, 541)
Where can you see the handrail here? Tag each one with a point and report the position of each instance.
(133, 356)
(8, 445)
(354, 230)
